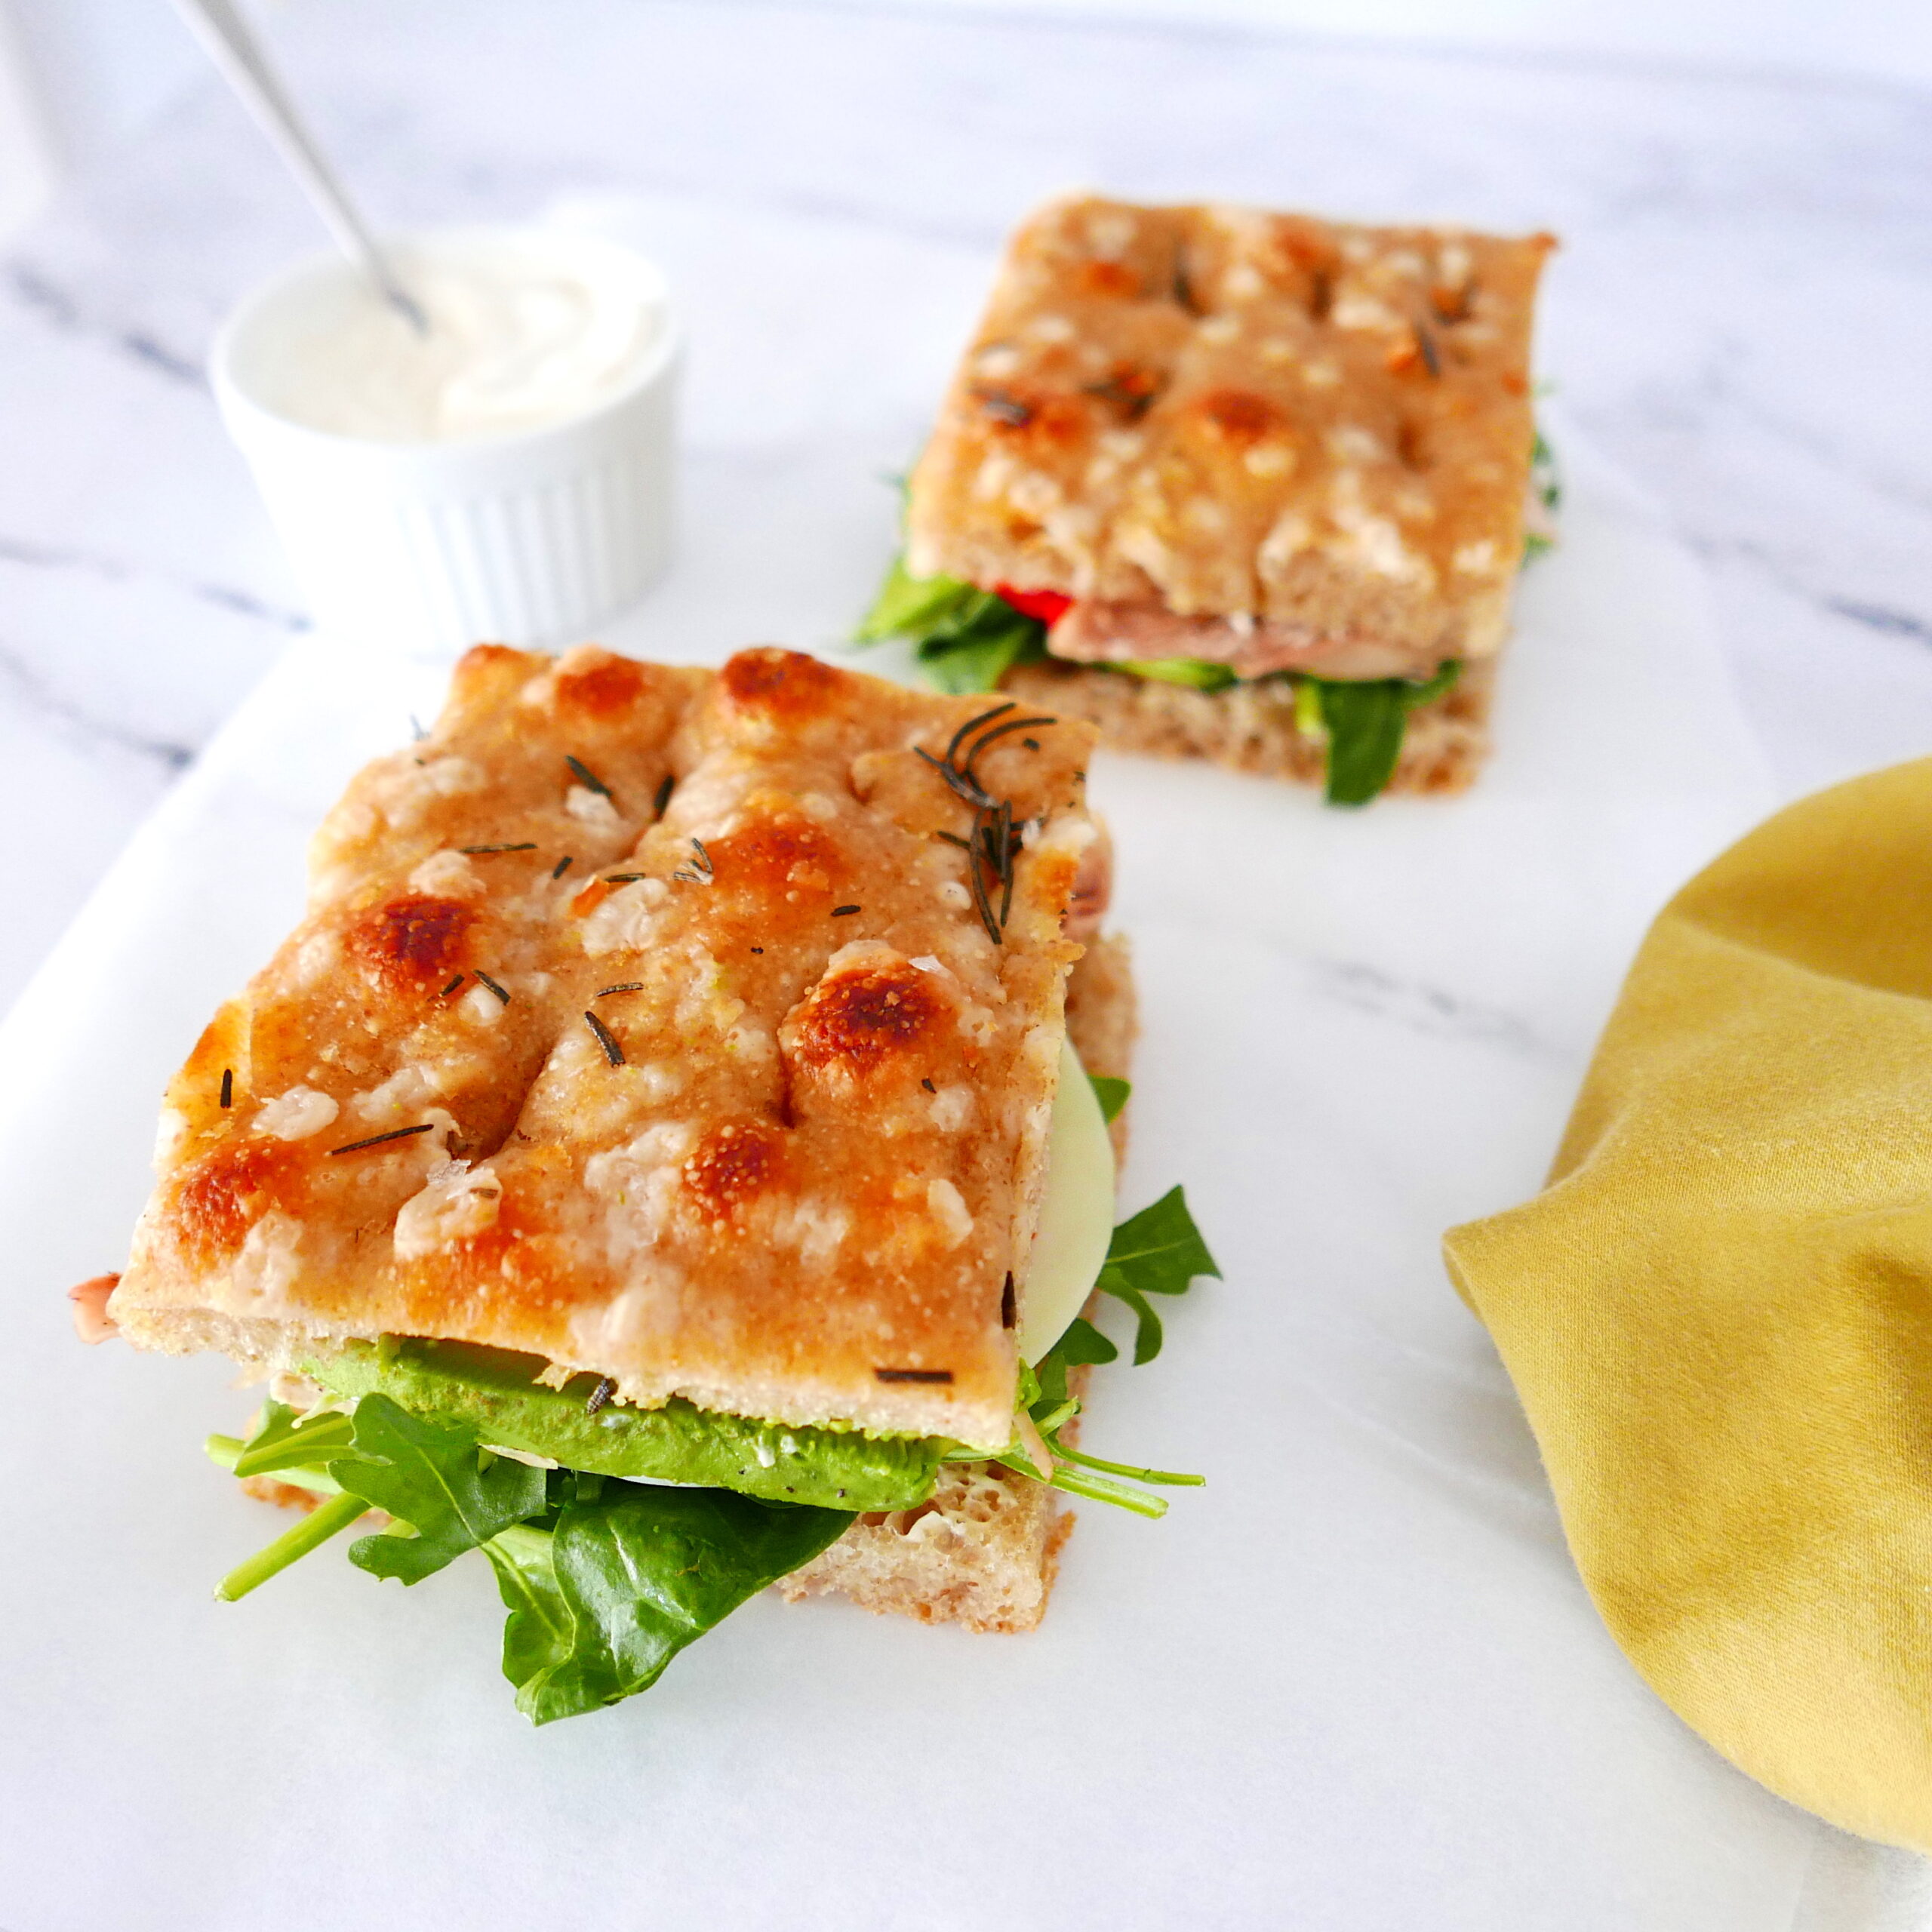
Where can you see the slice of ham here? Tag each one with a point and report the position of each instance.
(1092, 888)
(1092, 632)
(92, 1322)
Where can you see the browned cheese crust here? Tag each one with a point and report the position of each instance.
(1254, 727)
(1316, 433)
(787, 1173)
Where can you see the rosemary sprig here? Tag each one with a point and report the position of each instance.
(699, 871)
(956, 781)
(587, 776)
(994, 844)
(981, 903)
(999, 731)
(614, 1052)
(376, 1139)
(972, 724)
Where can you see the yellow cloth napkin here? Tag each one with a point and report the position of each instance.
(1718, 1315)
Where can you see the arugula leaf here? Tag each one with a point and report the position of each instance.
(310, 1532)
(1148, 1334)
(1083, 1345)
(642, 1572)
(433, 1479)
(1365, 722)
(1111, 1093)
(1043, 1391)
(285, 1441)
(1158, 1251)
(966, 638)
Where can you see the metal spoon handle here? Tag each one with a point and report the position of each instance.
(233, 48)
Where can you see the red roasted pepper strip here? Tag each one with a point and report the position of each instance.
(1049, 606)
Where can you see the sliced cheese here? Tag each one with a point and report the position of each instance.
(1076, 1215)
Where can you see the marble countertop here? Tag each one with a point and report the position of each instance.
(1737, 316)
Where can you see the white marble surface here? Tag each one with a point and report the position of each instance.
(1739, 316)
(1357, 1670)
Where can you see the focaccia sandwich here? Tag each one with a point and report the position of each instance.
(1247, 486)
(665, 1157)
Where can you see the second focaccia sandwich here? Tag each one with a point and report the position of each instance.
(670, 1084)
(1237, 485)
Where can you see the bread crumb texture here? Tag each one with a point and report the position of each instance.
(981, 1551)
(1254, 727)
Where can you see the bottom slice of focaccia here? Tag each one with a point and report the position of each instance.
(1253, 727)
(655, 1022)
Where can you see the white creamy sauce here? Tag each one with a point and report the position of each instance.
(518, 338)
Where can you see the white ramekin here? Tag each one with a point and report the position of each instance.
(533, 538)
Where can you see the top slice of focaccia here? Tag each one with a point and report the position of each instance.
(697, 1029)
(1213, 412)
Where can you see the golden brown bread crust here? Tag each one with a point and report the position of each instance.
(1252, 727)
(1224, 412)
(821, 1148)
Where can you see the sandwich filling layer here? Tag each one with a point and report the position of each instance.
(504, 1399)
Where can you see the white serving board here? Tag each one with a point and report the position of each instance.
(1353, 1683)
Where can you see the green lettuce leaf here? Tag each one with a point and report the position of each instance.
(1365, 723)
(433, 1479)
(1111, 1093)
(494, 1395)
(966, 639)
(910, 607)
(640, 1573)
(1199, 674)
(539, 1630)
